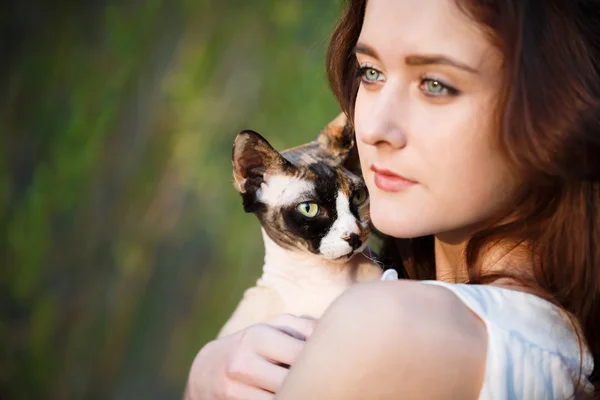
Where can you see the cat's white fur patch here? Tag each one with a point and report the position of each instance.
(283, 190)
(333, 245)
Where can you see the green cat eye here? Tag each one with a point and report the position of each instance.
(308, 209)
(360, 197)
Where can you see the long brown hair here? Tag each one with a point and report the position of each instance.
(548, 119)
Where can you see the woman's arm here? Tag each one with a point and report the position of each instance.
(248, 364)
(392, 340)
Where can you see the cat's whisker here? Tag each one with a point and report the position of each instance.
(372, 258)
(314, 215)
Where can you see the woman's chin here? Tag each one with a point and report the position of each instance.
(394, 225)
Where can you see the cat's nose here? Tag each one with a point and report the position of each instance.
(353, 240)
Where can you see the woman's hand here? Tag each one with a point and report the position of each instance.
(250, 364)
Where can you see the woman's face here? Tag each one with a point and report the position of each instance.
(424, 119)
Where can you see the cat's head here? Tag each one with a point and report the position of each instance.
(307, 198)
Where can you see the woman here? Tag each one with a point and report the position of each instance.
(478, 127)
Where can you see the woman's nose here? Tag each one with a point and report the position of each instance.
(381, 122)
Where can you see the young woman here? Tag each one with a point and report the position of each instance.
(478, 128)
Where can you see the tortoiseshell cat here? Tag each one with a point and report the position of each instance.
(314, 214)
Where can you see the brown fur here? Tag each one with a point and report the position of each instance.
(294, 280)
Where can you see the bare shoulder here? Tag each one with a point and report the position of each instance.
(388, 340)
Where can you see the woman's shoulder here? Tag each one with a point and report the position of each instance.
(391, 340)
(532, 343)
(475, 341)
(520, 313)
(532, 347)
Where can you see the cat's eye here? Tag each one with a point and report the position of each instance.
(360, 197)
(308, 209)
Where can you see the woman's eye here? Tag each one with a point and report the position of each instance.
(370, 75)
(433, 87)
(309, 210)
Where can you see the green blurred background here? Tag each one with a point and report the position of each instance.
(125, 246)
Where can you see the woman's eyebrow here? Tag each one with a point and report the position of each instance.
(366, 50)
(439, 60)
(416, 59)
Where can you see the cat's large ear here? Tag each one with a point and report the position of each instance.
(339, 140)
(252, 158)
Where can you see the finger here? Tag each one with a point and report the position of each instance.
(241, 391)
(298, 327)
(273, 344)
(254, 370)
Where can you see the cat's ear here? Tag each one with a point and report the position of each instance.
(339, 140)
(252, 158)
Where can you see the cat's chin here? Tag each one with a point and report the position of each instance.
(345, 258)
(331, 254)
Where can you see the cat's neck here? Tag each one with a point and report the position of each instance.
(285, 267)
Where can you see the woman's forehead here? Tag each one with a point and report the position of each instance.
(398, 28)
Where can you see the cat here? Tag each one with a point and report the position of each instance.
(313, 207)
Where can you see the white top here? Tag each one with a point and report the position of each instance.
(533, 352)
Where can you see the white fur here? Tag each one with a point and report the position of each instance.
(298, 283)
(333, 245)
(283, 190)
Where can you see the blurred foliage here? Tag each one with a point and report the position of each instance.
(125, 244)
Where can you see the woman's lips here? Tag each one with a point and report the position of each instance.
(389, 181)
